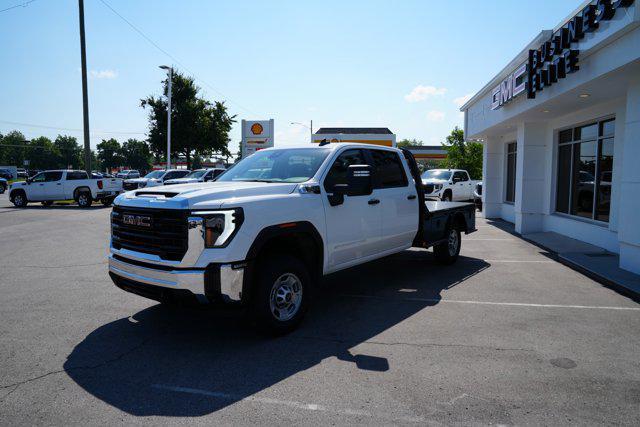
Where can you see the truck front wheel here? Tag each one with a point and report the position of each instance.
(446, 197)
(282, 294)
(19, 199)
(447, 252)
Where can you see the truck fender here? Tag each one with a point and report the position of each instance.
(300, 238)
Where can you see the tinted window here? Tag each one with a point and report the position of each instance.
(217, 172)
(175, 174)
(460, 176)
(53, 176)
(338, 172)
(39, 177)
(512, 160)
(72, 176)
(388, 169)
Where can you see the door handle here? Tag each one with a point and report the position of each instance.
(373, 201)
(58, 184)
(411, 197)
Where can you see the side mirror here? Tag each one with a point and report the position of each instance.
(28, 181)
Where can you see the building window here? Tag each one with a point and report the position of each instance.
(585, 169)
(512, 157)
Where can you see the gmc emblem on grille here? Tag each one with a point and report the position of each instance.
(138, 220)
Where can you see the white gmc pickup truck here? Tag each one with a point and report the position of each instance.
(448, 185)
(262, 235)
(55, 185)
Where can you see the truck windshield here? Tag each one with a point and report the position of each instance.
(155, 174)
(196, 174)
(292, 165)
(437, 174)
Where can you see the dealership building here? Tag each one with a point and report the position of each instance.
(560, 125)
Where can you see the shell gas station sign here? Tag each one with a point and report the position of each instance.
(256, 135)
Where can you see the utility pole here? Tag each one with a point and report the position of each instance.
(170, 73)
(85, 95)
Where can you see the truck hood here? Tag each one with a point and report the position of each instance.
(207, 195)
(137, 180)
(181, 181)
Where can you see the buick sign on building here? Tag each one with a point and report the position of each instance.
(560, 126)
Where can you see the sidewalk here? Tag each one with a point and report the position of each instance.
(590, 260)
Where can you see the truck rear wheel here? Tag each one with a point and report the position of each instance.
(282, 294)
(447, 252)
(84, 199)
(107, 201)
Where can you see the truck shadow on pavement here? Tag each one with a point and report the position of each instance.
(192, 362)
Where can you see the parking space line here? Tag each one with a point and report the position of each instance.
(508, 304)
(534, 261)
(288, 403)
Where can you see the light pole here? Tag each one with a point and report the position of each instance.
(310, 127)
(85, 96)
(170, 73)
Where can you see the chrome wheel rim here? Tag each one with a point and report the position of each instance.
(82, 200)
(18, 200)
(453, 242)
(286, 297)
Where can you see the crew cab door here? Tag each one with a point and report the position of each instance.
(65, 192)
(353, 228)
(397, 195)
(462, 188)
(36, 188)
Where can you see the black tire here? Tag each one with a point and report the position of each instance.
(3, 188)
(107, 201)
(446, 197)
(19, 199)
(447, 252)
(47, 203)
(275, 273)
(84, 199)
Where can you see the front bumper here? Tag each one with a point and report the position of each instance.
(217, 282)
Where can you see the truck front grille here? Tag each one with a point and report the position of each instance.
(162, 232)
(128, 186)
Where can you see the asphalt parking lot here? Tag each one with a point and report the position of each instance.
(505, 336)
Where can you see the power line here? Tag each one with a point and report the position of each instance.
(173, 58)
(24, 4)
(97, 132)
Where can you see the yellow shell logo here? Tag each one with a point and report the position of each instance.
(256, 128)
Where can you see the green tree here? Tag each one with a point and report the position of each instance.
(197, 126)
(13, 149)
(70, 151)
(137, 155)
(463, 154)
(43, 154)
(408, 143)
(110, 154)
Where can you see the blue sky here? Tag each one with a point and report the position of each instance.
(405, 65)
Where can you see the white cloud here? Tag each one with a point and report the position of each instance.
(104, 74)
(462, 100)
(420, 93)
(435, 116)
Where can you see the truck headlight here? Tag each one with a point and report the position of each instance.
(437, 187)
(220, 226)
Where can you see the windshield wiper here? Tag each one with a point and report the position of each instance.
(255, 180)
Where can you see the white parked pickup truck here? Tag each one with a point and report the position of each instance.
(448, 185)
(155, 178)
(55, 185)
(262, 235)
